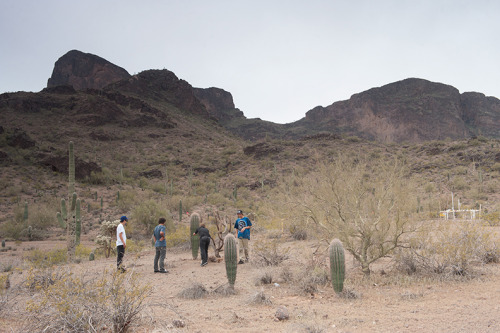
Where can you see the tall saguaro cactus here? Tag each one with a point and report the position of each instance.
(337, 265)
(195, 239)
(230, 258)
(71, 219)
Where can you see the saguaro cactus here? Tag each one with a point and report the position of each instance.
(230, 258)
(25, 214)
(71, 219)
(337, 265)
(78, 222)
(195, 239)
(62, 216)
(180, 210)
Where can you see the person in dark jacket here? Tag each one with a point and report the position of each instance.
(204, 243)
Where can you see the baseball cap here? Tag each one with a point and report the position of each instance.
(239, 212)
(123, 218)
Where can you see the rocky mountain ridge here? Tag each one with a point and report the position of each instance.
(411, 110)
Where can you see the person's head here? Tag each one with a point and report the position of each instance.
(162, 220)
(202, 225)
(123, 219)
(239, 213)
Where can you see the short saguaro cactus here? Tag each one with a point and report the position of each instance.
(195, 239)
(230, 258)
(337, 265)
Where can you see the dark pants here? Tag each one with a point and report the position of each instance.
(161, 252)
(204, 243)
(120, 250)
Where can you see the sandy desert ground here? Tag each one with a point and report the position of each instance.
(384, 303)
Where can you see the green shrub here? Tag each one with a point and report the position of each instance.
(82, 251)
(128, 200)
(460, 184)
(42, 259)
(178, 237)
(146, 216)
(493, 218)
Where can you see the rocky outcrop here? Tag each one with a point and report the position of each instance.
(412, 110)
(481, 113)
(83, 169)
(84, 71)
(20, 139)
(219, 103)
(162, 86)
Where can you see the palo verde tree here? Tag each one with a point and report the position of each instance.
(368, 204)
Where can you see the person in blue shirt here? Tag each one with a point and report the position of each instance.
(160, 246)
(243, 225)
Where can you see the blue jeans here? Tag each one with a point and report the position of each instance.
(161, 252)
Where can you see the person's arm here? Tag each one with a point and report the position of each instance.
(121, 238)
(162, 235)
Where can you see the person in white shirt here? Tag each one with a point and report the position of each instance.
(121, 242)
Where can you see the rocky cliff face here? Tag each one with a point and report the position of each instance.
(412, 110)
(219, 103)
(162, 86)
(481, 113)
(84, 71)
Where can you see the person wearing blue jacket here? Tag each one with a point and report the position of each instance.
(243, 226)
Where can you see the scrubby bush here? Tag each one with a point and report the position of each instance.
(195, 291)
(451, 248)
(127, 201)
(40, 258)
(178, 237)
(70, 303)
(269, 252)
(82, 252)
(40, 219)
(493, 218)
(146, 216)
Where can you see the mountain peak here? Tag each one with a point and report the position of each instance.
(85, 71)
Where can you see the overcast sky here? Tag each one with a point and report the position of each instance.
(278, 58)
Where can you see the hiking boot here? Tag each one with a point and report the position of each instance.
(241, 262)
(204, 264)
(162, 271)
